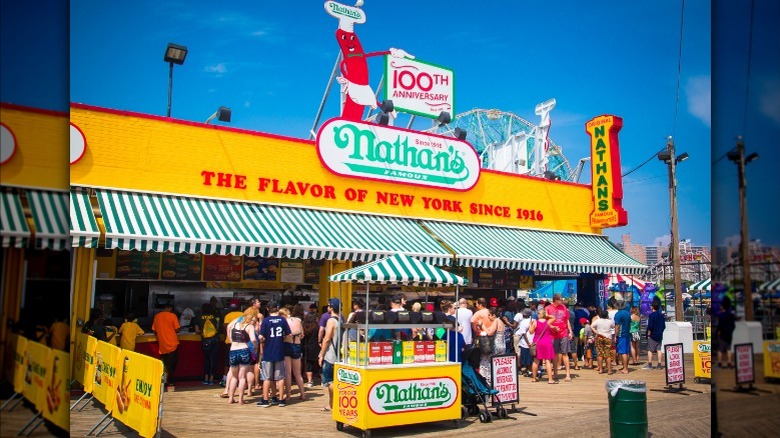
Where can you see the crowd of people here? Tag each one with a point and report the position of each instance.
(268, 349)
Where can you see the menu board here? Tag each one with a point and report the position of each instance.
(311, 271)
(221, 268)
(291, 271)
(137, 264)
(260, 268)
(485, 278)
(181, 266)
(512, 280)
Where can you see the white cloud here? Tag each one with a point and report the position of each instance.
(698, 92)
(770, 100)
(218, 69)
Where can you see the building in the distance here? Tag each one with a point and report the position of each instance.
(635, 250)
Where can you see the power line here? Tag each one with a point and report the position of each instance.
(750, 55)
(646, 161)
(679, 69)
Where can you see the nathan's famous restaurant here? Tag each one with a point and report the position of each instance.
(164, 210)
(34, 253)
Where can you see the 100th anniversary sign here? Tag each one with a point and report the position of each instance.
(362, 150)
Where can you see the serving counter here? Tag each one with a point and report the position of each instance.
(190, 357)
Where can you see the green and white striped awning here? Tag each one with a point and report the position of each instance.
(399, 268)
(482, 246)
(702, 285)
(152, 222)
(49, 213)
(14, 231)
(771, 285)
(84, 229)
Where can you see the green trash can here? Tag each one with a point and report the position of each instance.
(627, 408)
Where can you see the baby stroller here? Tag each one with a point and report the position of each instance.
(474, 388)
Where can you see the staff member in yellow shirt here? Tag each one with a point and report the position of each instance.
(59, 334)
(128, 332)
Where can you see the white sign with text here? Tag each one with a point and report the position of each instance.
(419, 88)
(744, 360)
(503, 371)
(675, 365)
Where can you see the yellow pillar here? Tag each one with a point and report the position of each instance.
(13, 276)
(330, 290)
(81, 284)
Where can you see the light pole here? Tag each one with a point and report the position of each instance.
(737, 155)
(174, 54)
(668, 157)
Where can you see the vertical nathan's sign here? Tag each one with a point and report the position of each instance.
(607, 182)
(418, 87)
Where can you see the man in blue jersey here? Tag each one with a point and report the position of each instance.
(272, 332)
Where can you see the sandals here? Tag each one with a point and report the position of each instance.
(554, 382)
(326, 409)
(568, 379)
(223, 395)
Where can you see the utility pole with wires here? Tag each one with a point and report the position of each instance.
(737, 155)
(668, 157)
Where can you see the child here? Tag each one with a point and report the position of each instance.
(588, 342)
(128, 332)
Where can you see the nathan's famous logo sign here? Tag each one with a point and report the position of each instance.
(606, 180)
(394, 396)
(349, 376)
(398, 155)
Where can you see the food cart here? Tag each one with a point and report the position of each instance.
(371, 388)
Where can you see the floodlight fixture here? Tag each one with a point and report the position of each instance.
(222, 114)
(444, 118)
(175, 53)
(460, 133)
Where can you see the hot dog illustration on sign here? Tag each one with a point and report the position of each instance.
(356, 93)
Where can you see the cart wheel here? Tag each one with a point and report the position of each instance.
(339, 426)
(484, 417)
(473, 410)
(695, 380)
(501, 413)
(367, 433)
(464, 412)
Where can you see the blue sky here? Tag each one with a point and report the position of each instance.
(270, 63)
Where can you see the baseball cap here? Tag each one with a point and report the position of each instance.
(494, 302)
(583, 320)
(272, 305)
(335, 303)
(527, 312)
(234, 302)
(510, 298)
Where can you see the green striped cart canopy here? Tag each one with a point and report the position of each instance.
(702, 285)
(154, 222)
(399, 268)
(482, 246)
(14, 231)
(771, 285)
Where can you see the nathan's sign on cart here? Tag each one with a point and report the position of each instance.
(503, 370)
(772, 359)
(702, 359)
(385, 153)
(407, 395)
(675, 365)
(418, 87)
(744, 359)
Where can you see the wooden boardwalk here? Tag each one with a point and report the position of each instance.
(574, 407)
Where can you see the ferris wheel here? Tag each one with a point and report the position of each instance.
(507, 142)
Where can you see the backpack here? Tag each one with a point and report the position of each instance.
(209, 330)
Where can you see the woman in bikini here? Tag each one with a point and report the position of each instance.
(243, 338)
(293, 351)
